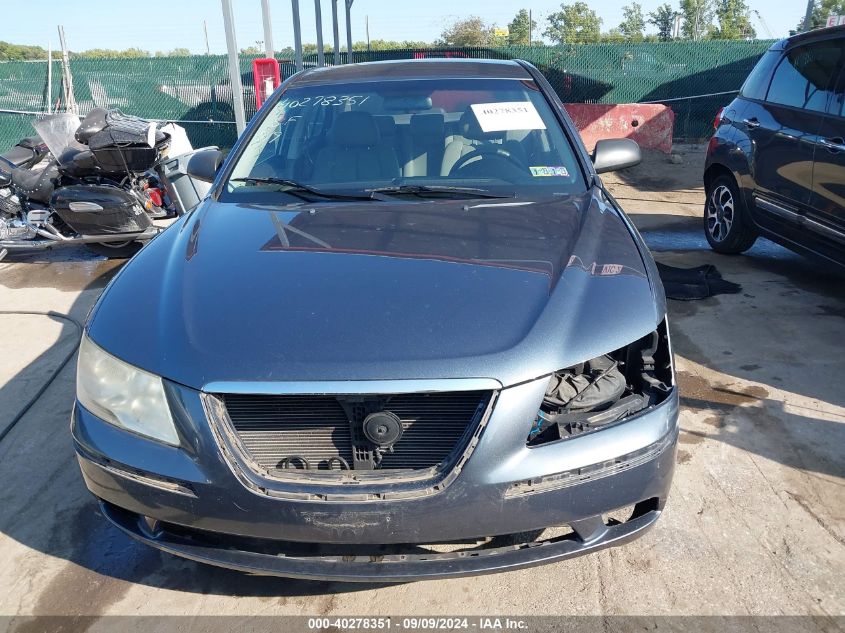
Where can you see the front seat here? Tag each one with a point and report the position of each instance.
(427, 134)
(355, 152)
(469, 138)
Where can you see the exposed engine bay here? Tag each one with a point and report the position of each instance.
(606, 389)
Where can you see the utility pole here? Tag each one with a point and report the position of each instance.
(297, 35)
(205, 29)
(349, 31)
(318, 14)
(335, 31)
(808, 16)
(676, 28)
(67, 77)
(234, 66)
(695, 26)
(268, 29)
(530, 26)
(367, 26)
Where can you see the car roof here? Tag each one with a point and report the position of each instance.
(830, 32)
(415, 69)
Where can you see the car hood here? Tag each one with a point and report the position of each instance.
(504, 289)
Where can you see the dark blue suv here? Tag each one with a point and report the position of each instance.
(776, 163)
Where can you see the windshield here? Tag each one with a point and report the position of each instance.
(57, 131)
(417, 137)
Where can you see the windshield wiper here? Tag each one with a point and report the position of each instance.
(302, 190)
(422, 190)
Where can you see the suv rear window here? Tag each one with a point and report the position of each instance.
(806, 76)
(757, 83)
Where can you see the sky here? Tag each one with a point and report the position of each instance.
(167, 24)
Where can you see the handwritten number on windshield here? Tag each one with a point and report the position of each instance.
(325, 100)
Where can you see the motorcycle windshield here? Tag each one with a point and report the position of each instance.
(57, 130)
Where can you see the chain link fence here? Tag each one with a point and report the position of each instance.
(693, 78)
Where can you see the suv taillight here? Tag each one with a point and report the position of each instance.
(718, 120)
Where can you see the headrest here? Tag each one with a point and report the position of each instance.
(428, 125)
(386, 126)
(357, 129)
(470, 128)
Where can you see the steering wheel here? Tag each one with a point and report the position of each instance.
(497, 152)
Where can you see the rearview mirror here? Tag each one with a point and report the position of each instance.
(616, 153)
(203, 165)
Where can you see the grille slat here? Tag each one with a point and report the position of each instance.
(317, 428)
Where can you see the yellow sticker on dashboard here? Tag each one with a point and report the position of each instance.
(549, 171)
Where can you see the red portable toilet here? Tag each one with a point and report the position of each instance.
(265, 79)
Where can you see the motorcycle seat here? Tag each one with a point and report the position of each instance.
(18, 155)
(27, 152)
(78, 162)
(36, 185)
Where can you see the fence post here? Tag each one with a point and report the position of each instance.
(234, 67)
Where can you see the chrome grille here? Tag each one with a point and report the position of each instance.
(320, 428)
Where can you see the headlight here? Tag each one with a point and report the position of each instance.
(123, 395)
(606, 389)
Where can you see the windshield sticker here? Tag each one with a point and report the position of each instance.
(324, 100)
(508, 115)
(544, 170)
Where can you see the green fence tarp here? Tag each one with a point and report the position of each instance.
(195, 90)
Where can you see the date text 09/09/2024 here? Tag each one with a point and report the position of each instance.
(418, 623)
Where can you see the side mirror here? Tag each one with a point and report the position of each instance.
(203, 164)
(616, 153)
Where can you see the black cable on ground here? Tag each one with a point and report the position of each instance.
(54, 315)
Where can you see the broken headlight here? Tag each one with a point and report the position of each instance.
(123, 395)
(606, 389)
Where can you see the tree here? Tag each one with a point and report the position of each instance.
(176, 52)
(520, 29)
(698, 18)
(613, 36)
(821, 10)
(17, 52)
(574, 24)
(663, 17)
(472, 31)
(110, 52)
(734, 18)
(633, 23)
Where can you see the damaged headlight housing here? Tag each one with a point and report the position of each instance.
(604, 390)
(123, 395)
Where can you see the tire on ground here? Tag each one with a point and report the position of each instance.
(118, 250)
(741, 235)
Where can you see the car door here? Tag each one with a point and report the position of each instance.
(783, 131)
(826, 215)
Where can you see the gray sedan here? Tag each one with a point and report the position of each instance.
(407, 335)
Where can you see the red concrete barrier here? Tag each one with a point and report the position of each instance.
(648, 124)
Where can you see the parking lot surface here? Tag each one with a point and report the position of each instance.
(754, 524)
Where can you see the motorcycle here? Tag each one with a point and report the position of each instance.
(95, 182)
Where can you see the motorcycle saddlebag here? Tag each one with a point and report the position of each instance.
(99, 210)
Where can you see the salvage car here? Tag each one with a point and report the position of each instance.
(408, 334)
(776, 163)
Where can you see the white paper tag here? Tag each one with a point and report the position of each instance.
(507, 115)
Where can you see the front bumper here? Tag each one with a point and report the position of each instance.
(190, 502)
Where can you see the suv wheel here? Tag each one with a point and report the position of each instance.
(726, 224)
